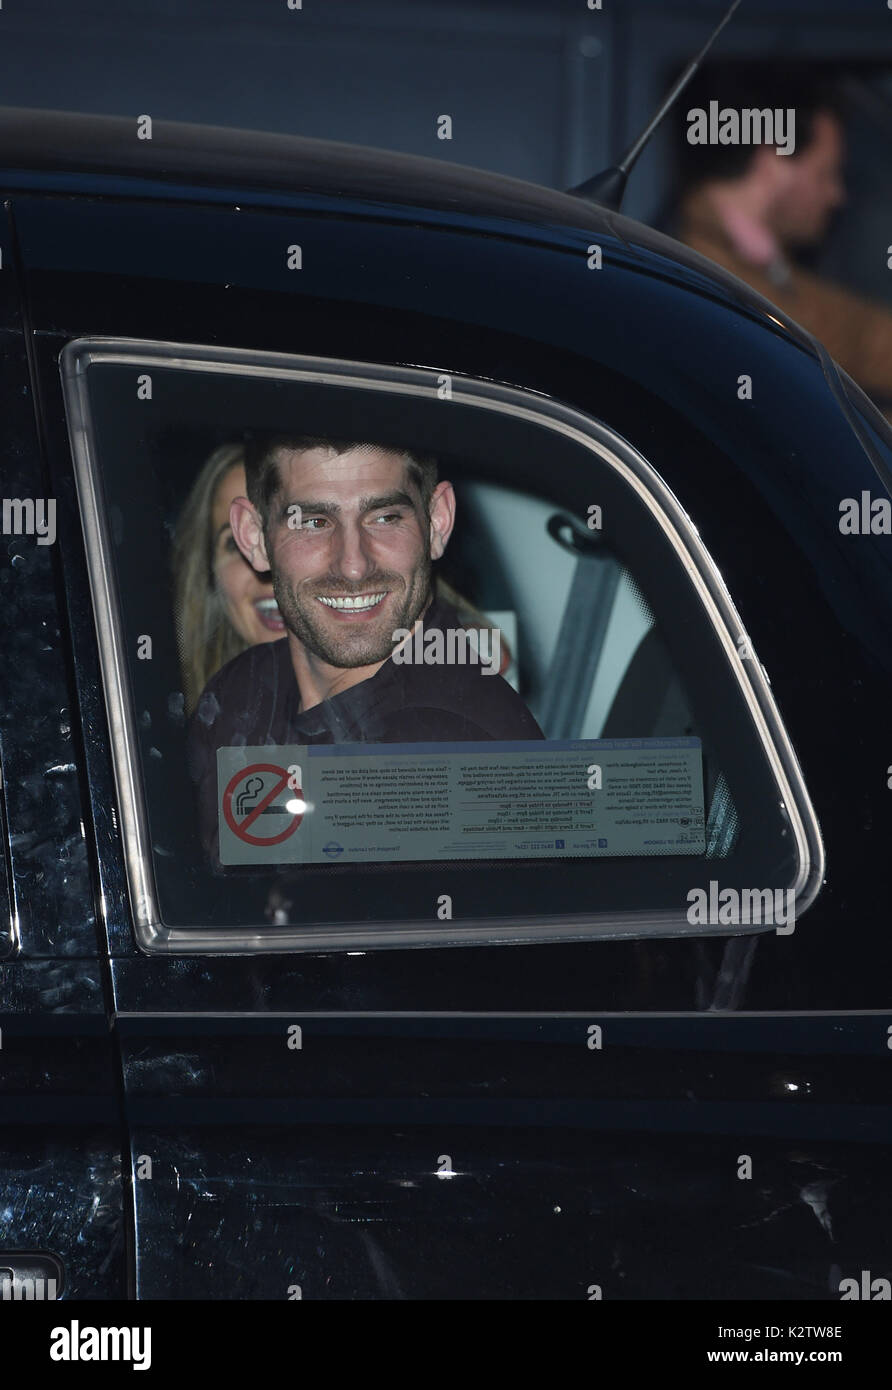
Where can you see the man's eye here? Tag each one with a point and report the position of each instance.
(314, 523)
(390, 516)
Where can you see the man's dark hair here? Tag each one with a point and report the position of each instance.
(756, 85)
(262, 470)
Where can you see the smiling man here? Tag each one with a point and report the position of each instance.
(348, 532)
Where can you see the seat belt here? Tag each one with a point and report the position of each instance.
(577, 650)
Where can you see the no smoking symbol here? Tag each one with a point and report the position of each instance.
(253, 800)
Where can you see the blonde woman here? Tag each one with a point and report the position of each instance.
(221, 604)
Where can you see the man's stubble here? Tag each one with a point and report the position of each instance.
(367, 644)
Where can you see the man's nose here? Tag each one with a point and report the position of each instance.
(353, 557)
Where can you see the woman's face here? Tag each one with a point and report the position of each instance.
(247, 596)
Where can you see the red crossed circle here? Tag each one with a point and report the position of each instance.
(240, 828)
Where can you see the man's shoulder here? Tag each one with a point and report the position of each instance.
(472, 684)
(238, 684)
(447, 674)
(458, 702)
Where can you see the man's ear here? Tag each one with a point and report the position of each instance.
(770, 169)
(442, 518)
(248, 531)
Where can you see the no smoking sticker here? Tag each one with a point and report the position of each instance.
(261, 807)
(356, 803)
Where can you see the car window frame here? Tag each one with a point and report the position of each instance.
(152, 935)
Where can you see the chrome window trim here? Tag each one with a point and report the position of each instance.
(538, 409)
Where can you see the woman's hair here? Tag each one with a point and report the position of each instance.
(206, 638)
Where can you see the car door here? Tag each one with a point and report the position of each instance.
(295, 1127)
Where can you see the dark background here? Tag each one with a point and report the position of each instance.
(549, 91)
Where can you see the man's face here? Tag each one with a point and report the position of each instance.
(811, 185)
(357, 565)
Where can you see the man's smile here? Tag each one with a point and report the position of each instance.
(353, 604)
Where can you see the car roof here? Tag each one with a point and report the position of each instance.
(189, 160)
(266, 160)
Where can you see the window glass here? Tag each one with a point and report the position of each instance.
(392, 657)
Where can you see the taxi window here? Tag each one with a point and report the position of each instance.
(397, 658)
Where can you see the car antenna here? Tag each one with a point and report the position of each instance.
(608, 187)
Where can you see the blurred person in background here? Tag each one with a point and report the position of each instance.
(222, 605)
(752, 210)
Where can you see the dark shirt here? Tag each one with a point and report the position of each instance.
(254, 701)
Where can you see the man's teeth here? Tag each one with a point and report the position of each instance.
(360, 601)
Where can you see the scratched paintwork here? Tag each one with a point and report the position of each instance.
(359, 1212)
(62, 1194)
(60, 1181)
